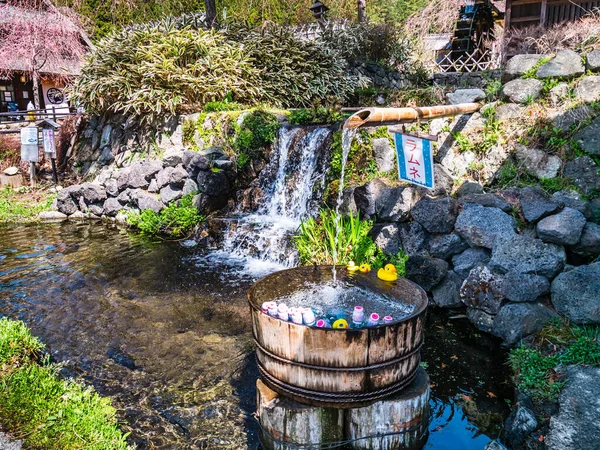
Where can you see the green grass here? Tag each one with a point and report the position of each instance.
(559, 343)
(23, 205)
(45, 411)
(316, 242)
(320, 115)
(175, 220)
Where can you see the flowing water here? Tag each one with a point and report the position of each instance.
(170, 341)
(259, 243)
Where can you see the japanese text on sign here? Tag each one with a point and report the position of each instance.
(415, 160)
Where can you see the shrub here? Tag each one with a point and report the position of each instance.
(174, 220)
(316, 242)
(153, 70)
(258, 130)
(49, 413)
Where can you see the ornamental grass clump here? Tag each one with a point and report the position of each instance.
(154, 70)
(47, 412)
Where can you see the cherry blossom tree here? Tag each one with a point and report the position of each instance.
(36, 38)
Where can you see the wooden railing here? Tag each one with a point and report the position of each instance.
(36, 114)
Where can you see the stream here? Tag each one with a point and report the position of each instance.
(164, 330)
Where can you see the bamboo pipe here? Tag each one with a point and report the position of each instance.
(392, 116)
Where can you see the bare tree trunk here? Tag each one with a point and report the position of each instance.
(36, 91)
(211, 13)
(362, 11)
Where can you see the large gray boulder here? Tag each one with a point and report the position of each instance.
(583, 172)
(189, 187)
(589, 137)
(524, 254)
(572, 199)
(436, 215)
(141, 173)
(566, 64)
(213, 184)
(537, 162)
(93, 193)
(515, 321)
(564, 120)
(112, 207)
(368, 197)
(426, 272)
(469, 188)
(170, 193)
(111, 188)
(413, 238)
(447, 293)
(445, 246)
(489, 200)
(576, 294)
(65, 203)
(395, 204)
(577, 424)
(148, 201)
(386, 237)
(482, 290)
(172, 157)
(536, 204)
(592, 60)
(469, 259)
(171, 175)
(482, 320)
(7, 443)
(519, 65)
(589, 244)
(195, 163)
(522, 90)
(524, 287)
(481, 226)
(384, 154)
(563, 228)
(465, 96)
(588, 89)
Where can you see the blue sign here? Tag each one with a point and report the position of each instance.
(415, 160)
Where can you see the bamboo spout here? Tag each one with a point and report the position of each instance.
(393, 116)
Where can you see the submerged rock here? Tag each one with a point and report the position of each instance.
(519, 425)
(120, 357)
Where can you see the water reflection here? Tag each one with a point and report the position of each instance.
(170, 341)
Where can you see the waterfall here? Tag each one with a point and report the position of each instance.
(259, 242)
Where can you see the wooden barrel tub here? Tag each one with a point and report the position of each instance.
(330, 367)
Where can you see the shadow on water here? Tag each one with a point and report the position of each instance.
(170, 340)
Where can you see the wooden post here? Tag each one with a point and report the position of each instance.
(402, 417)
(362, 11)
(32, 174)
(507, 14)
(54, 174)
(544, 13)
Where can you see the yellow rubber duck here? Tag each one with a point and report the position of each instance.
(388, 273)
(351, 267)
(340, 324)
(364, 268)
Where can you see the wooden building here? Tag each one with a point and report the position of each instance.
(522, 13)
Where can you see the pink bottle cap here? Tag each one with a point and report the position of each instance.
(358, 315)
(388, 319)
(375, 317)
(321, 323)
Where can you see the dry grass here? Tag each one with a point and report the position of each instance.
(582, 36)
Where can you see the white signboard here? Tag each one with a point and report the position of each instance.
(415, 159)
(29, 144)
(49, 145)
(29, 135)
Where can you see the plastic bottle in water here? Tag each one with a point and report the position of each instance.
(388, 319)
(283, 313)
(373, 320)
(273, 311)
(308, 317)
(296, 315)
(323, 323)
(358, 317)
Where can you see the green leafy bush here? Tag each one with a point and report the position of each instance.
(316, 242)
(258, 130)
(174, 220)
(48, 412)
(166, 68)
